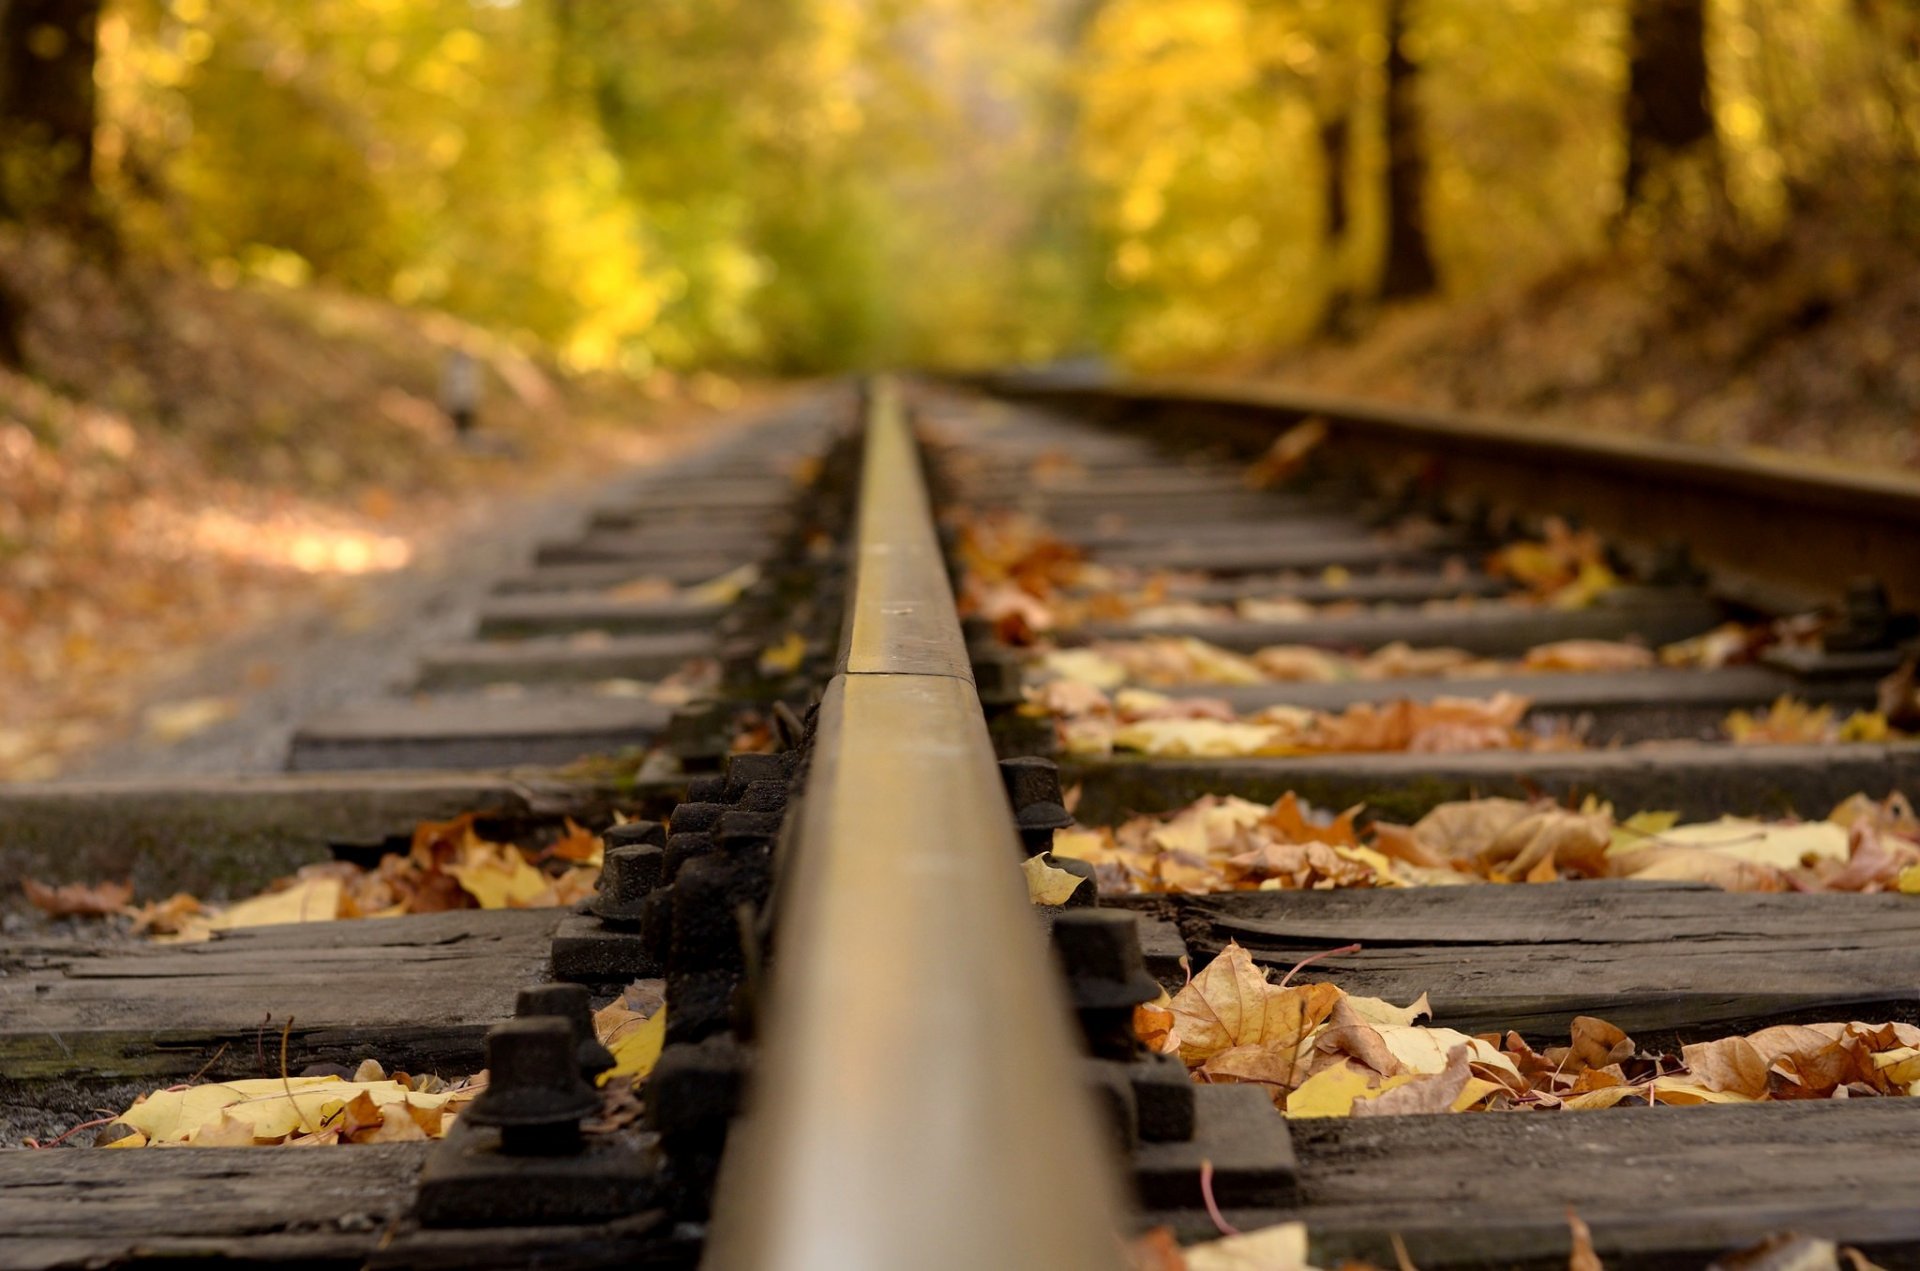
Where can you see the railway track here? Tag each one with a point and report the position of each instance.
(869, 1057)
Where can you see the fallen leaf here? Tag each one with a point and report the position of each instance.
(1278, 1248)
(1047, 885)
(1332, 1092)
(783, 657)
(171, 722)
(78, 899)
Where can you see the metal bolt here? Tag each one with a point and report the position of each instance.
(636, 834)
(709, 787)
(1674, 565)
(627, 874)
(1866, 619)
(1033, 787)
(745, 769)
(573, 1003)
(1099, 949)
(759, 826)
(682, 848)
(534, 1094)
(697, 818)
(763, 796)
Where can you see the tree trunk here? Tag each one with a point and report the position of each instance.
(1667, 116)
(47, 106)
(1336, 139)
(1334, 145)
(1409, 268)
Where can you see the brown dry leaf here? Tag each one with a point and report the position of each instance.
(1231, 1004)
(1325, 1054)
(1564, 568)
(1155, 1249)
(78, 899)
(1581, 1257)
(1287, 456)
(1588, 656)
(1597, 1043)
(1431, 1093)
(1731, 1063)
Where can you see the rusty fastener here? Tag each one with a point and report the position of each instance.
(573, 1003)
(627, 875)
(1039, 807)
(535, 1095)
(1099, 949)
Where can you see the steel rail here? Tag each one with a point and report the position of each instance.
(1765, 521)
(918, 1100)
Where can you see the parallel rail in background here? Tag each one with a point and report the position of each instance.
(918, 1099)
(1783, 529)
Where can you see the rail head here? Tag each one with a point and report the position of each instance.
(919, 1099)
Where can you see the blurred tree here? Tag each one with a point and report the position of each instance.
(1667, 116)
(1409, 271)
(47, 52)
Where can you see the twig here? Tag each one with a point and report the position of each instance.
(1315, 957)
(209, 1064)
(287, 1082)
(84, 1125)
(1213, 1207)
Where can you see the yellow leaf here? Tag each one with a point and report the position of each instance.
(1682, 1091)
(1201, 738)
(1047, 885)
(1331, 1092)
(1084, 666)
(273, 1107)
(1378, 1011)
(1761, 843)
(725, 589)
(170, 722)
(1909, 880)
(1278, 1248)
(783, 657)
(226, 1130)
(498, 877)
(637, 1049)
(1424, 1050)
(1092, 846)
(1477, 1089)
(309, 900)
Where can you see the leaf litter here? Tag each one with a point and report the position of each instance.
(1224, 843)
(1318, 1051)
(1091, 723)
(1286, 1247)
(1029, 583)
(373, 1106)
(449, 865)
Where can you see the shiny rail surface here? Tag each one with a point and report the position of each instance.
(918, 1100)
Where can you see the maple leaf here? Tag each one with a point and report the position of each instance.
(78, 899)
(634, 1028)
(1046, 884)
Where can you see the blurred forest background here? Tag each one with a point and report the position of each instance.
(808, 185)
(237, 237)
